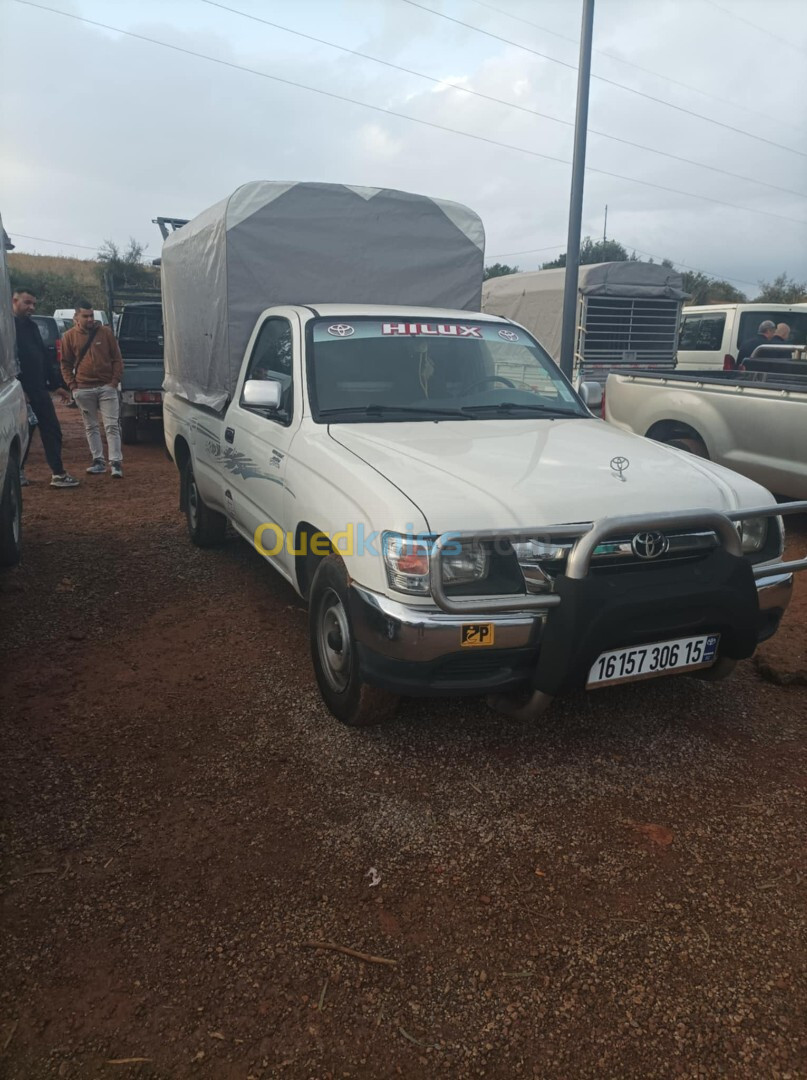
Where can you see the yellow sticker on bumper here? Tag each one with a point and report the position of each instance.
(474, 634)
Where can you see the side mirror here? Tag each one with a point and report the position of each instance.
(592, 393)
(263, 393)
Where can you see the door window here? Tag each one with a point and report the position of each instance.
(796, 320)
(272, 359)
(703, 332)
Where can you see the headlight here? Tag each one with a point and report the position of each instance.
(753, 532)
(407, 563)
(470, 564)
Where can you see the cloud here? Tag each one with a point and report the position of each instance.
(146, 131)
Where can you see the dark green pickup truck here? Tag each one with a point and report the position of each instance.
(140, 336)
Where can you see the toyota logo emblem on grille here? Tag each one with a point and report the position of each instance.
(649, 545)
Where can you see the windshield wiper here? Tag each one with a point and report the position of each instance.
(513, 406)
(383, 410)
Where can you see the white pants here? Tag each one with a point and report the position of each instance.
(103, 399)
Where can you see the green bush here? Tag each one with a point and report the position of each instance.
(53, 291)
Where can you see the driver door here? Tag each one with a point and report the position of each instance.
(258, 440)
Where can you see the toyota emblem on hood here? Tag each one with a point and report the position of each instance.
(620, 465)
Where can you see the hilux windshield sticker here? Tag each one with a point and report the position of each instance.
(363, 329)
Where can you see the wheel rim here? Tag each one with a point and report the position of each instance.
(333, 641)
(193, 502)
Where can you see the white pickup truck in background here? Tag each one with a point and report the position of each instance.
(13, 426)
(753, 422)
(456, 518)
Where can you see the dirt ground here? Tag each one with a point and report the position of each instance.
(617, 890)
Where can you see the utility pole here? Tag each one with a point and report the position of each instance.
(569, 325)
(605, 225)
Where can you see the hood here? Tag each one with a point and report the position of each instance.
(487, 474)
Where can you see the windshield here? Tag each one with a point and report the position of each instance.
(366, 370)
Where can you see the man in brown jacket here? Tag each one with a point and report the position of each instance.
(92, 367)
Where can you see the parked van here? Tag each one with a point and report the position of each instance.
(711, 335)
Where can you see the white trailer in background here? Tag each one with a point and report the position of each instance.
(628, 314)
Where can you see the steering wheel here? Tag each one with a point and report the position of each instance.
(490, 379)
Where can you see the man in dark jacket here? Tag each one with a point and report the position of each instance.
(766, 331)
(34, 373)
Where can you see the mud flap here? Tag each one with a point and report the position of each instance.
(620, 608)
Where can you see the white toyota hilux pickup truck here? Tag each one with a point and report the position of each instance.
(460, 523)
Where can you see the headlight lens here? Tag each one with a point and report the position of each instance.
(470, 564)
(753, 532)
(407, 563)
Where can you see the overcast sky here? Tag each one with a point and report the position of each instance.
(102, 132)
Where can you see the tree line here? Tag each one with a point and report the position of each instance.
(59, 283)
(60, 288)
(702, 288)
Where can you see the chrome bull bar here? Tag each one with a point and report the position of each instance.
(589, 537)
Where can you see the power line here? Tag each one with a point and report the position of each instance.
(500, 101)
(697, 269)
(45, 240)
(759, 29)
(529, 251)
(602, 78)
(629, 63)
(400, 115)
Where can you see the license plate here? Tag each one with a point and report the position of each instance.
(658, 658)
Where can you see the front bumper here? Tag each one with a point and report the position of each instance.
(548, 640)
(418, 651)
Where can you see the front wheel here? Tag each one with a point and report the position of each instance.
(333, 651)
(11, 515)
(206, 527)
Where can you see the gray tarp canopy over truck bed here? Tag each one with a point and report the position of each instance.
(8, 357)
(272, 243)
(535, 298)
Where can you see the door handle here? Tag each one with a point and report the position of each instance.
(229, 434)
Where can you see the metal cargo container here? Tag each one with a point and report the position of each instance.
(627, 314)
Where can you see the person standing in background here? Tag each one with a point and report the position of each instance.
(92, 367)
(766, 331)
(33, 360)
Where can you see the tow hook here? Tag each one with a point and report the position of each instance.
(533, 707)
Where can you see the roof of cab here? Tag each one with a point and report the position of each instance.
(354, 311)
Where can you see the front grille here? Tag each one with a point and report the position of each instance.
(628, 330)
(612, 555)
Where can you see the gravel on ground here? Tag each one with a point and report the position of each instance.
(615, 890)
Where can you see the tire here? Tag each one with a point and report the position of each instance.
(206, 527)
(692, 445)
(333, 651)
(11, 514)
(128, 430)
